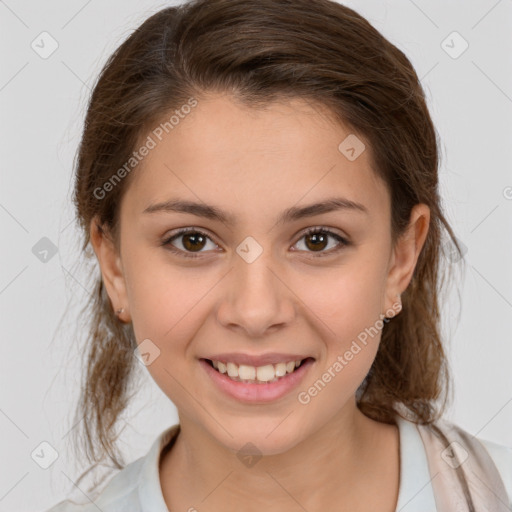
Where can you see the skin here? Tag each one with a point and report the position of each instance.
(255, 164)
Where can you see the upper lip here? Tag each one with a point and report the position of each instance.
(256, 360)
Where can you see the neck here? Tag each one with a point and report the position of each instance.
(341, 458)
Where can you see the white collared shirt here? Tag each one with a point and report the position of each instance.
(136, 488)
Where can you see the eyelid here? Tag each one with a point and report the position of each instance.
(323, 229)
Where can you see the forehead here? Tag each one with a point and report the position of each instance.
(256, 161)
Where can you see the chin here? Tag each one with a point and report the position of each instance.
(262, 437)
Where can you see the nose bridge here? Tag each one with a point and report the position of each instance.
(257, 299)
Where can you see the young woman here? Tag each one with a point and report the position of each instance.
(258, 180)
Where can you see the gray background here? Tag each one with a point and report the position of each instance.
(42, 102)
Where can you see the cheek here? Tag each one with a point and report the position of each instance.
(169, 305)
(166, 305)
(159, 294)
(167, 308)
(346, 303)
(349, 305)
(347, 299)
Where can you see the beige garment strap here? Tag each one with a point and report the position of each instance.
(464, 476)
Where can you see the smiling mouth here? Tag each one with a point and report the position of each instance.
(266, 374)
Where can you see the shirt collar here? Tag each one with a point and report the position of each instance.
(415, 492)
(150, 490)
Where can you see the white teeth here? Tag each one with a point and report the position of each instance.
(232, 370)
(280, 369)
(246, 372)
(266, 373)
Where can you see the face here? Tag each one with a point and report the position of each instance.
(248, 283)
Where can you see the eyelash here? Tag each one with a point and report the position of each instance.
(310, 231)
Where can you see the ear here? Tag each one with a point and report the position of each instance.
(111, 268)
(405, 255)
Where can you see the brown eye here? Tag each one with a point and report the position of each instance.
(192, 243)
(317, 240)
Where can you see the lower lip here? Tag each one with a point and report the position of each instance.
(253, 393)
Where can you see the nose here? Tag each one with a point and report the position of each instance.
(256, 299)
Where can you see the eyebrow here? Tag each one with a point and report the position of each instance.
(291, 214)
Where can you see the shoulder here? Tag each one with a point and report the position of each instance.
(137, 484)
(502, 458)
(120, 491)
(464, 449)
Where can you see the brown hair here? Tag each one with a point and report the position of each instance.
(259, 51)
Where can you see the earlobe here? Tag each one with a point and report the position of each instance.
(406, 252)
(111, 269)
